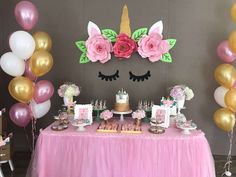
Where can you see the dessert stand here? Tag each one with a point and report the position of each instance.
(80, 126)
(98, 107)
(122, 114)
(147, 118)
(147, 107)
(61, 122)
(156, 127)
(98, 111)
(186, 129)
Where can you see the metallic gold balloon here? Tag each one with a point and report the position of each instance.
(225, 75)
(22, 89)
(233, 12)
(42, 41)
(232, 41)
(224, 119)
(41, 62)
(230, 99)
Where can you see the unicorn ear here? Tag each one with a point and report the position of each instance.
(156, 28)
(93, 29)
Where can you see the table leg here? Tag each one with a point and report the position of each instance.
(122, 117)
(1, 173)
(11, 165)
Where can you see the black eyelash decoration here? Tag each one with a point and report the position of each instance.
(109, 77)
(139, 78)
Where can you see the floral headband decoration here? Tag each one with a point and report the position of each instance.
(148, 43)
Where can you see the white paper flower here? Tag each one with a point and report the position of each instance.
(68, 90)
(188, 93)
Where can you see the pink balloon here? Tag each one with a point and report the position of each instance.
(28, 73)
(20, 114)
(43, 91)
(26, 14)
(225, 53)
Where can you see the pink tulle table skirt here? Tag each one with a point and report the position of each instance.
(90, 154)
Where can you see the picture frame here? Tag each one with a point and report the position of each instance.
(162, 113)
(84, 112)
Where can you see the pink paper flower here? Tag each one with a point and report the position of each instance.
(152, 46)
(106, 115)
(177, 93)
(124, 46)
(98, 48)
(139, 114)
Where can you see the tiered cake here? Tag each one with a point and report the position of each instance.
(122, 101)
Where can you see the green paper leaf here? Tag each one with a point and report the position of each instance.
(138, 34)
(166, 58)
(81, 46)
(84, 59)
(171, 43)
(110, 34)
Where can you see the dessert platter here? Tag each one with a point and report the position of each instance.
(80, 124)
(57, 126)
(186, 127)
(108, 127)
(131, 128)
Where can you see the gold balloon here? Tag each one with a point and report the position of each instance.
(42, 41)
(21, 88)
(224, 119)
(233, 12)
(225, 75)
(232, 41)
(230, 99)
(41, 62)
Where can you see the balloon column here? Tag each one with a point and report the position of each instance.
(29, 59)
(225, 95)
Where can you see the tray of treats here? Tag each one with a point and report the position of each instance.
(59, 126)
(108, 127)
(131, 128)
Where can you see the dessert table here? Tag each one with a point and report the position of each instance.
(70, 153)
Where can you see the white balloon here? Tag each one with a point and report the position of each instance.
(12, 65)
(22, 44)
(41, 109)
(219, 96)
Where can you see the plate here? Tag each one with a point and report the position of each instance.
(156, 130)
(59, 127)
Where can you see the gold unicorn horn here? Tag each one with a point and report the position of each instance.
(125, 22)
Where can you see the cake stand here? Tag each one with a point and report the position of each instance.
(121, 113)
(80, 126)
(186, 129)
